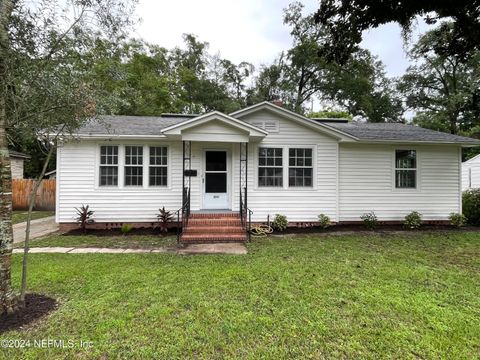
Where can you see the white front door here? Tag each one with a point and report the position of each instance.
(215, 180)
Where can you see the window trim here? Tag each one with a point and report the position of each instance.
(256, 154)
(257, 164)
(125, 165)
(148, 166)
(121, 166)
(417, 169)
(300, 167)
(99, 165)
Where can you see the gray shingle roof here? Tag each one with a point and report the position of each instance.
(152, 125)
(129, 125)
(400, 132)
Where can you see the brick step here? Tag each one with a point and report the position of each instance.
(213, 215)
(204, 238)
(214, 229)
(214, 222)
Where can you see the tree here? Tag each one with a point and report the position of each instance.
(443, 89)
(329, 114)
(360, 86)
(346, 20)
(45, 89)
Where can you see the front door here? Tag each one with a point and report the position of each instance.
(215, 180)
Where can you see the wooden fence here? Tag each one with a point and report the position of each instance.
(44, 200)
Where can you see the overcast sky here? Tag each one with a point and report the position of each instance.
(248, 30)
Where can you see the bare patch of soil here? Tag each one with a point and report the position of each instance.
(36, 307)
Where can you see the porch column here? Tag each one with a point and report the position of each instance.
(243, 176)
(186, 180)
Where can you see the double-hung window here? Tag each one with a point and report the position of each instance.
(108, 165)
(158, 166)
(270, 167)
(133, 165)
(300, 167)
(405, 169)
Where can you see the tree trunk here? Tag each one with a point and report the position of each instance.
(8, 299)
(31, 203)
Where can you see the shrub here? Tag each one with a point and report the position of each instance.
(126, 228)
(324, 221)
(370, 220)
(471, 206)
(457, 220)
(413, 220)
(164, 218)
(84, 217)
(279, 222)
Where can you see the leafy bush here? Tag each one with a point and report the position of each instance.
(324, 221)
(457, 220)
(370, 220)
(84, 217)
(164, 218)
(413, 220)
(471, 206)
(126, 228)
(279, 222)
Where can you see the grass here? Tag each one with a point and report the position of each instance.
(412, 296)
(118, 241)
(21, 216)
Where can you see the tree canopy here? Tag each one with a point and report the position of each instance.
(346, 20)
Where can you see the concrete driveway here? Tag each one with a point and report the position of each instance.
(38, 228)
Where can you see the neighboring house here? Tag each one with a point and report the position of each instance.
(471, 173)
(263, 157)
(17, 160)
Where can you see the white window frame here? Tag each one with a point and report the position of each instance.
(125, 165)
(282, 167)
(300, 167)
(100, 165)
(149, 166)
(256, 154)
(416, 169)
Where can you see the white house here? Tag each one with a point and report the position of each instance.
(471, 173)
(258, 161)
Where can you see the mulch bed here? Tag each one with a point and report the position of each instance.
(36, 307)
(118, 232)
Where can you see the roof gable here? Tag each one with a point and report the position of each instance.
(300, 119)
(218, 118)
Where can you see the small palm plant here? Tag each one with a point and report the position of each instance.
(84, 217)
(164, 218)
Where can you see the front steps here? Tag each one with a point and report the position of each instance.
(213, 228)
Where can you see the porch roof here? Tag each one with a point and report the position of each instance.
(215, 126)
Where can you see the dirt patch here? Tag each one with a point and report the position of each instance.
(36, 307)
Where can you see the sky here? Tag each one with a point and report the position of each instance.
(249, 30)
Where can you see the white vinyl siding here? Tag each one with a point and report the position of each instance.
(78, 184)
(367, 183)
(297, 203)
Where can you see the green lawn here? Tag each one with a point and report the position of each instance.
(413, 296)
(118, 241)
(21, 216)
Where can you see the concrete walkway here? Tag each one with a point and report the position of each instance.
(38, 228)
(230, 248)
